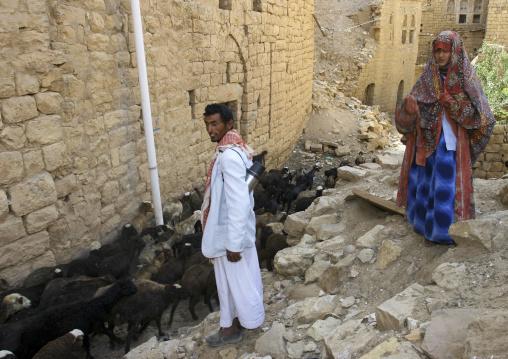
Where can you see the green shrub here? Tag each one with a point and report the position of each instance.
(492, 70)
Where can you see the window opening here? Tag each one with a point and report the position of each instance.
(462, 18)
(256, 5)
(225, 4)
(413, 21)
(411, 36)
(478, 4)
(400, 92)
(463, 5)
(451, 6)
(476, 18)
(404, 32)
(369, 95)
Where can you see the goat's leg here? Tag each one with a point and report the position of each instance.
(130, 329)
(173, 309)
(192, 304)
(86, 345)
(158, 322)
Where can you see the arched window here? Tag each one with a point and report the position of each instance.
(391, 18)
(451, 6)
(413, 21)
(369, 95)
(463, 6)
(478, 4)
(400, 92)
(405, 21)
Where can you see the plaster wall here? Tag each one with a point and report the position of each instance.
(73, 165)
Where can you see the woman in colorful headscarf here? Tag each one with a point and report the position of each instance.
(446, 123)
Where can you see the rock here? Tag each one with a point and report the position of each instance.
(316, 308)
(18, 109)
(381, 350)
(371, 166)
(349, 249)
(449, 275)
(405, 351)
(11, 167)
(434, 304)
(315, 223)
(294, 260)
(169, 349)
(316, 270)
(228, 353)
(49, 102)
(323, 205)
(307, 144)
(390, 161)
(392, 313)
(36, 193)
(487, 232)
(142, 351)
(272, 342)
(371, 238)
(351, 337)
(388, 253)
(351, 174)
(342, 151)
(335, 275)
(296, 223)
(40, 219)
(11, 228)
(330, 230)
(295, 350)
(322, 328)
(365, 255)
(45, 130)
(503, 194)
(415, 336)
(316, 147)
(486, 335)
(446, 335)
(4, 204)
(348, 302)
(13, 137)
(333, 247)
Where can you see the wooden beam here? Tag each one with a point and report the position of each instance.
(379, 202)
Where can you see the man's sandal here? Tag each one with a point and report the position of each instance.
(216, 339)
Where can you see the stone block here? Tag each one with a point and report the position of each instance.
(11, 228)
(365, 255)
(342, 151)
(13, 137)
(327, 231)
(24, 249)
(4, 204)
(316, 223)
(351, 174)
(36, 193)
(322, 328)
(40, 219)
(26, 84)
(388, 253)
(334, 276)
(110, 192)
(11, 167)
(371, 238)
(382, 350)
(449, 275)
(66, 185)
(392, 313)
(390, 161)
(54, 155)
(272, 342)
(44, 130)
(33, 162)
(316, 270)
(350, 337)
(485, 336)
(111, 119)
(294, 260)
(18, 109)
(333, 247)
(98, 5)
(296, 223)
(49, 103)
(7, 87)
(485, 233)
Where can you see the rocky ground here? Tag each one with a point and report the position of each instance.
(358, 281)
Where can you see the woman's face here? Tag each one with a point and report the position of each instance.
(442, 57)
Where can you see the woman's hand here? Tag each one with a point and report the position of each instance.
(411, 106)
(445, 99)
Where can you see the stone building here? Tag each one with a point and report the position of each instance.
(388, 74)
(497, 22)
(466, 17)
(73, 166)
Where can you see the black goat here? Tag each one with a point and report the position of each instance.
(302, 203)
(28, 336)
(260, 158)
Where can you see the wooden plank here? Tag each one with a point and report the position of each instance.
(379, 202)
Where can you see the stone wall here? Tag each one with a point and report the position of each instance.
(388, 75)
(466, 17)
(497, 22)
(493, 162)
(73, 166)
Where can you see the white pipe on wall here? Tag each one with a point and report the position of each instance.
(147, 112)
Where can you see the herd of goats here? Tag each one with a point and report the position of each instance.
(134, 279)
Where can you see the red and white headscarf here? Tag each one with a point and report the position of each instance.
(230, 139)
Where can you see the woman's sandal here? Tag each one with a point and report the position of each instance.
(428, 243)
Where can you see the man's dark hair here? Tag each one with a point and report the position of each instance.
(225, 112)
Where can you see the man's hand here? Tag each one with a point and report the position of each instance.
(233, 256)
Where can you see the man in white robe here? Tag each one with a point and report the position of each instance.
(229, 230)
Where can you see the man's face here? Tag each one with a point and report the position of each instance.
(216, 128)
(442, 57)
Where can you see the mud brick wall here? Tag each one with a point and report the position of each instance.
(73, 165)
(493, 162)
(497, 22)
